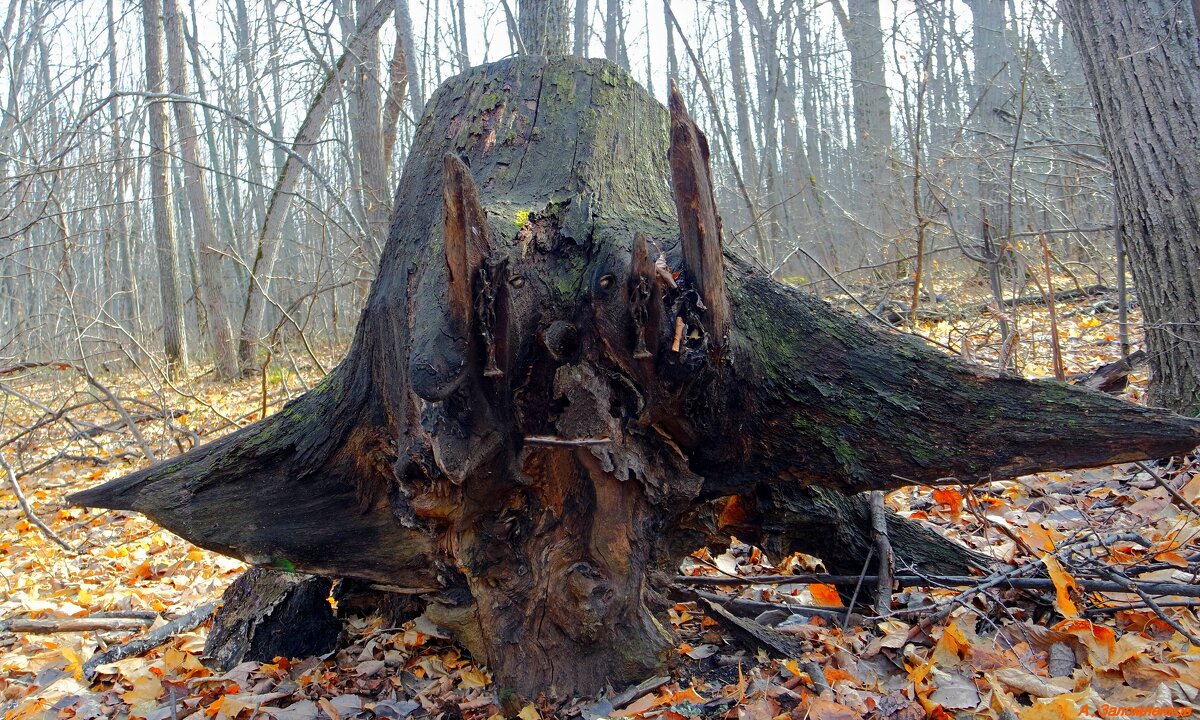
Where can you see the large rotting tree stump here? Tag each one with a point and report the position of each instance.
(560, 385)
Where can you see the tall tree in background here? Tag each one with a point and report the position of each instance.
(270, 233)
(174, 336)
(1142, 66)
(545, 26)
(212, 290)
(987, 35)
(366, 126)
(863, 29)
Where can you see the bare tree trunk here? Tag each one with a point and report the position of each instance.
(398, 79)
(464, 54)
(249, 66)
(545, 26)
(988, 45)
(174, 334)
(581, 28)
(672, 59)
(741, 101)
(872, 114)
(612, 17)
(374, 195)
(1143, 71)
(416, 92)
(212, 290)
(123, 281)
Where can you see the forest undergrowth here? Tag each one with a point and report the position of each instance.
(1001, 646)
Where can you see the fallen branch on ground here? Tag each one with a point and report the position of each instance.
(47, 626)
(150, 640)
(949, 581)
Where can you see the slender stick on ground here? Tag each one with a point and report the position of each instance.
(887, 559)
(1008, 580)
(16, 488)
(1159, 481)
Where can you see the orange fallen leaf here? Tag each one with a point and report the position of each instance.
(1171, 558)
(1099, 640)
(1040, 538)
(825, 594)
(1064, 586)
(1059, 708)
(680, 696)
(951, 498)
(820, 709)
(835, 675)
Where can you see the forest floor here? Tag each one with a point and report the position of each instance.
(983, 651)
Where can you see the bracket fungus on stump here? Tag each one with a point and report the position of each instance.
(536, 419)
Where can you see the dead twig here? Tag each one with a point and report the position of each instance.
(117, 406)
(887, 559)
(25, 508)
(564, 442)
(1162, 483)
(1060, 372)
(857, 587)
(760, 606)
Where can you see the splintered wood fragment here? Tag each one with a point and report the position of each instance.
(760, 634)
(565, 442)
(663, 272)
(699, 224)
(678, 334)
(1114, 377)
(48, 626)
(465, 236)
(645, 298)
(149, 641)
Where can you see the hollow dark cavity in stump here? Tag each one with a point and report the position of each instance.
(560, 386)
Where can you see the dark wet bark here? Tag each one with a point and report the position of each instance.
(534, 411)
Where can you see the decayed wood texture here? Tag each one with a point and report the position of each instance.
(514, 431)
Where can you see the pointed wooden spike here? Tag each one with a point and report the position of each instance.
(465, 237)
(641, 262)
(699, 224)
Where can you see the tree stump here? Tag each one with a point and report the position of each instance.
(560, 384)
(266, 614)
